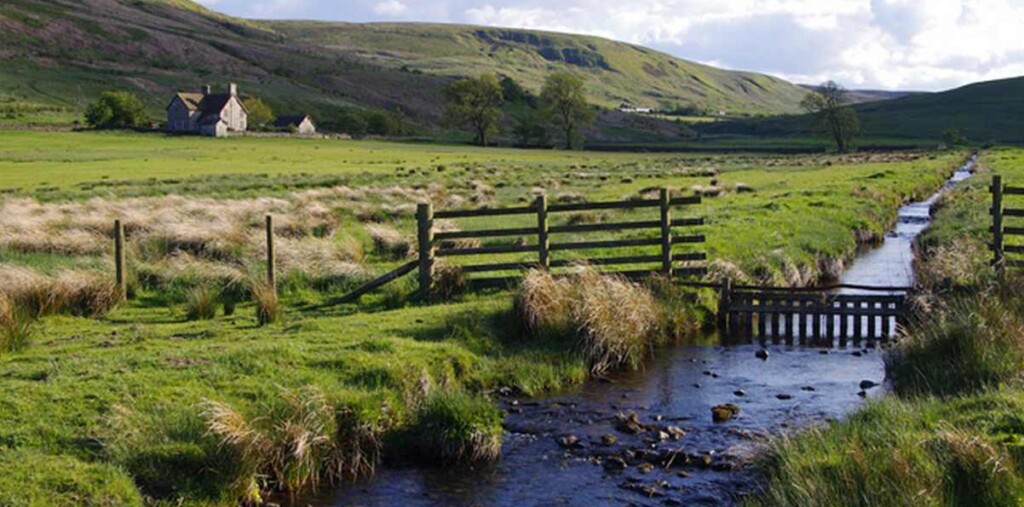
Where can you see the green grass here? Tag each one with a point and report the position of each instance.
(65, 395)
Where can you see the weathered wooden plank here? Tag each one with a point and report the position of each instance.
(1008, 190)
(501, 249)
(617, 243)
(594, 206)
(484, 233)
(1010, 212)
(685, 201)
(852, 310)
(617, 226)
(485, 212)
(696, 238)
(500, 266)
(607, 261)
(690, 256)
(377, 282)
(687, 222)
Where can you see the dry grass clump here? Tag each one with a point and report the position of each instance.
(268, 307)
(299, 441)
(615, 322)
(960, 264)
(81, 293)
(449, 282)
(450, 226)
(388, 242)
(201, 302)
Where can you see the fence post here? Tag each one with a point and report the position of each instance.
(997, 221)
(724, 302)
(271, 255)
(119, 260)
(425, 235)
(666, 232)
(543, 243)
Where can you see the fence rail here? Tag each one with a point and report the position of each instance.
(434, 244)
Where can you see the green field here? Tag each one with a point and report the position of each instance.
(120, 399)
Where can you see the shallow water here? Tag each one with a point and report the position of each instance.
(794, 387)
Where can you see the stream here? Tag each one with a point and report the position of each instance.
(572, 449)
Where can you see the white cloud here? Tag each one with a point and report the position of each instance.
(911, 44)
(390, 8)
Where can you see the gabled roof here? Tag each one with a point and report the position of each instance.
(287, 121)
(191, 100)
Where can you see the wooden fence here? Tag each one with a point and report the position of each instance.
(536, 241)
(820, 315)
(1005, 255)
(432, 245)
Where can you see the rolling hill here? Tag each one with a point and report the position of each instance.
(58, 55)
(986, 111)
(616, 72)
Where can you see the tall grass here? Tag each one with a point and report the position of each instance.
(615, 322)
(453, 427)
(888, 454)
(268, 306)
(201, 302)
(293, 445)
(16, 326)
(82, 293)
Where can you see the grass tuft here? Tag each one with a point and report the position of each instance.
(268, 307)
(201, 302)
(16, 326)
(454, 427)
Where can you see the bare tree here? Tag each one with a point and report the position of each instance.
(829, 104)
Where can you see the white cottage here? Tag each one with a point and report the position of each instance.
(300, 124)
(206, 113)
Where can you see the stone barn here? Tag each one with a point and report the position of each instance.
(207, 113)
(302, 124)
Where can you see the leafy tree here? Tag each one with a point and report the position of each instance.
(829, 104)
(384, 123)
(530, 129)
(475, 103)
(953, 137)
(116, 110)
(565, 104)
(259, 112)
(514, 93)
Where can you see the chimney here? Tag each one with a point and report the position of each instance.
(206, 90)
(234, 89)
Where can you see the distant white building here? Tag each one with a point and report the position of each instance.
(206, 113)
(630, 108)
(302, 124)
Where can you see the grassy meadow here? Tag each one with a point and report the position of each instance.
(180, 395)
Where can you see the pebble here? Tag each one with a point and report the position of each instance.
(863, 394)
(761, 354)
(740, 392)
(807, 388)
(569, 441)
(867, 384)
(857, 354)
(784, 396)
(724, 412)
(609, 439)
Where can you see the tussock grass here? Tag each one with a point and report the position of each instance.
(453, 427)
(268, 306)
(388, 242)
(614, 321)
(201, 302)
(293, 445)
(891, 453)
(449, 282)
(80, 293)
(16, 326)
(968, 344)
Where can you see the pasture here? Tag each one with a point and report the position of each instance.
(124, 393)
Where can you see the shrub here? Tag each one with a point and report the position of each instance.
(116, 110)
(201, 302)
(268, 307)
(615, 321)
(454, 427)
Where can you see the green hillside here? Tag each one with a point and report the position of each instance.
(616, 72)
(987, 111)
(58, 55)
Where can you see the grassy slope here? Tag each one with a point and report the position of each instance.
(987, 111)
(59, 395)
(615, 71)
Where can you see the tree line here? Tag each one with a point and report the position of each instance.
(483, 105)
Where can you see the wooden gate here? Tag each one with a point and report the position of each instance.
(820, 316)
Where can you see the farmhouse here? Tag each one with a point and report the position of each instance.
(206, 113)
(302, 124)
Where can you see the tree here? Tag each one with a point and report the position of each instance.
(260, 113)
(530, 128)
(953, 137)
(116, 110)
(565, 104)
(828, 103)
(475, 103)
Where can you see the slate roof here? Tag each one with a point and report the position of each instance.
(287, 121)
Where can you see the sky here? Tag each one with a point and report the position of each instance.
(865, 44)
